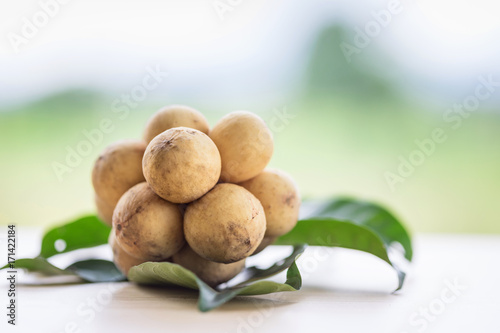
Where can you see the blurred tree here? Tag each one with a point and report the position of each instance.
(330, 73)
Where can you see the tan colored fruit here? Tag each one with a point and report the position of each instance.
(174, 116)
(245, 145)
(123, 261)
(212, 273)
(104, 211)
(118, 168)
(226, 225)
(147, 226)
(280, 198)
(181, 164)
(266, 241)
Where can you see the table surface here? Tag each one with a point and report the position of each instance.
(452, 286)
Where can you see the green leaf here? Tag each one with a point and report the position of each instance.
(369, 215)
(331, 232)
(165, 273)
(93, 270)
(39, 265)
(96, 270)
(85, 232)
(254, 273)
(210, 299)
(162, 273)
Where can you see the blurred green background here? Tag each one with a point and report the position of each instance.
(347, 126)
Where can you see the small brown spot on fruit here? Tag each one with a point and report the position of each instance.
(289, 199)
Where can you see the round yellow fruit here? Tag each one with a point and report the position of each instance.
(226, 225)
(174, 116)
(181, 164)
(118, 168)
(146, 226)
(280, 198)
(123, 261)
(245, 144)
(104, 210)
(212, 273)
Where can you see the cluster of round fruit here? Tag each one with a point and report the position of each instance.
(195, 196)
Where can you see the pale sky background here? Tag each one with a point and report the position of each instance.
(260, 47)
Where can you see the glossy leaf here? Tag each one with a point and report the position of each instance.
(39, 265)
(85, 232)
(165, 273)
(254, 273)
(331, 232)
(96, 270)
(93, 270)
(367, 214)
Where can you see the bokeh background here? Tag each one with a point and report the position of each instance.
(341, 123)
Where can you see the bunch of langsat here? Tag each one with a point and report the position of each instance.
(194, 196)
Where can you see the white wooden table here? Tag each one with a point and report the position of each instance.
(453, 286)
